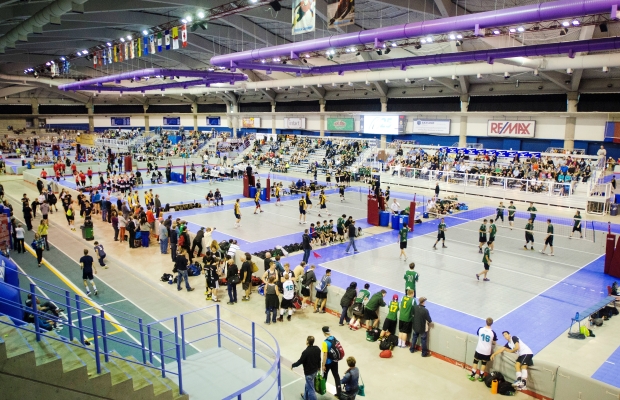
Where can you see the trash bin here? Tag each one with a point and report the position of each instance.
(87, 231)
(396, 222)
(613, 211)
(263, 194)
(384, 218)
(404, 220)
(252, 192)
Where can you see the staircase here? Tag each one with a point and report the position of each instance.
(66, 370)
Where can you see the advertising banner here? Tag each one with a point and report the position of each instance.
(174, 121)
(341, 124)
(214, 121)
(433, 126)
(250, 123)
(341, 13)
(294, 123)
(120, 121)
(514, 129)
(383, 124)
(304, 16)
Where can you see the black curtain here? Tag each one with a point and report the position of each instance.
(540, 103)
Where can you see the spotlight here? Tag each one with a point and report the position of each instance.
(307, 56)
(201, 15)
(145, 32)
(603, 27)
(506, 75)
(512, 30)
(496, 32)
(605, 69)
(521, 29)
(109, 44)
(429, 39)
(387, 51)
(576, 22)
(47, 63)
(348, 50)
(189, 18)
(79, 53)
(565, 23)
(123, 40)
(84, 52)
(379, 52)
(452, 36)
(52, 62)
(423, 41)
(459, 36)
(184, 21)
(394, 44)
(262, 61)
(129, 37)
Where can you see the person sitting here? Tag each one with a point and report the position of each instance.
(218, 198)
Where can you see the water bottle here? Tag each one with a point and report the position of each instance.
(577, 316)
(170, 280)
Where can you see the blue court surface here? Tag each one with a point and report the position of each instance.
(609, 372)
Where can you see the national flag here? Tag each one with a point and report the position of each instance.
(139, 48)
(104, 56)
(132, 49)
(175, 38)
(159, 42)
(316, 255)
(145, 47)
(184, 35)
(94, 60)
(152, 44)
(167, 39)
(121, 52)
(127, 50)
(99, 58)
(109, 56)
(115, 53)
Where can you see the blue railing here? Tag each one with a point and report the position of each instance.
(274, 362)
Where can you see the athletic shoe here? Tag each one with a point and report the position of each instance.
(486, 279)
(532, 248)
(280, 318)
(355, 251)
(516, 383)
(87, 293)
(261, 211)
(477, 276)
(480, 250)
(472, 377)
(288, 318)
(316, 311)
(542, 252)
(524, 247)
(434, 248)
(245, 299)
(480, 378)
(552, 254)
(444, 247)
(230, 303)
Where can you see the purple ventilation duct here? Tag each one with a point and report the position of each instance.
(498, 18)
(569, 48)
(207, 77)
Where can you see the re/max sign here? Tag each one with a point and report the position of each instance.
(511, 128)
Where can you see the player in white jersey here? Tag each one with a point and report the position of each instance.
(524, 359)
(288, 293)
(486, 339)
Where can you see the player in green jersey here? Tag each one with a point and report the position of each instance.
(358, 307)
(411, 277)
(486, 260)
(500, 211)
(529, 234)
(405, 317)
(402, 236)
(441, 235)
(482, 235)
(390, 322)
(511, 214)
(492, 232)
(532, 210)
(548, 239)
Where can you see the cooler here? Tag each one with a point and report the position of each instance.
(396, 222)
(404, 220)
(617, 198)
(613, 210)
(252, 192)
(263, 194)
(384, 218)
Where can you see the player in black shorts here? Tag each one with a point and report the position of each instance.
(548, 239)
(441, 235)
(482, 235)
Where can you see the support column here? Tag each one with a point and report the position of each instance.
(35, 113)
(384, 101)
(147, 125)
(235, 124)
(322, 117)
(273, 117)
(463, 121)
(91, 118)
(569, 128)
(230, 109)
(195, 112)
(573, 99)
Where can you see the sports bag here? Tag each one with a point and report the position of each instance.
(336, 352)
(320, 384)
(386, 354)
(385, 345)
(495, 375)
(166, 277)
(358, 309)
(194, 269)
(505, 388)
(392, 340)
(373, 335)
(576, 335)
(597, 321)
(296, 302)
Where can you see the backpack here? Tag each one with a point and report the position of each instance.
(505, 388)
(373, 335)
(304, 279)
(336, 352)
(495, 375)
(584, 331)
(166, 277)
(385, 345)
(576, 335)
(181, 240)
(194, 269)
(386, 354)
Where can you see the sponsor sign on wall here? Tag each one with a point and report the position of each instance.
(294, 123)
(515, 129)
(432, 126)
(172, 121)
(383, 124)
(214, 121)
(341, 124)
(120, 121)
(250, 123)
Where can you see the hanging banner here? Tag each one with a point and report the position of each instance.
(120, 121)
(152, 44)
(432, 126)
(126, 48)
(167, 36)
(175, 38)
(104, 53)
(172, 121)
(159, 42)
(250, 122)
(383, 124)
(294, 123)
(184, 35)
(341, 13)
(115, 53)
(132, 50)
(304, 16)
(520, 129)
(341, 124)
(110, 56)
(100, 58)
(95, 60)
(145, 45)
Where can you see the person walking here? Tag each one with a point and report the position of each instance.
(486, 261)
(42, 231)
(347, 300)
(482, 235)
(163, 239)
(532, 210)
(402, 236)
(272, 301)
(352, 232)
(305, 242)
(529, 234)
(302, 209)
(311, 361)
(441, 235)
(576, 225)
(511, 214)
(330, 364)
(237, 214)
(88, 268)
(257, 202)
(500, 212)
(180, 265)
(548, 239)
(38, 244)
(19, 235)
(492, 233)
(350, 380)
(70, 214)
(232, 279)
(421, 318)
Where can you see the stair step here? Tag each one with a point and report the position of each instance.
(70, 361)
(116, 372)
(15, 344)
(44, 353)
(139, 381)
(160, 386)
(89, 360)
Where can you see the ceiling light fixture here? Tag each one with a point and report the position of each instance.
(62, 59)
(576, 22)
(512, 30)
(496, 32)
(521, 29)
(188, 18)
(123, 40)
(429, 39)
(84, 52)
(423, 41)
(394, 44)
(201, 14)
(145, 32)
(184, 21)
(565, 23)
(459, 36)
(452, 36)
(129, 37)
(109, 44)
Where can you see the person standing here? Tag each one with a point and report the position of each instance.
(323, 203)
(347, 300)
(532, 210)
(576, 225)
(27, 216)
(328, 363)
(180, 265)
(38, 244)
(500, 211)
(486, 261)
(370, 311)
(70, 214)
(486, 339)
(321, 291)
(87, 266)
(548, 239)
(441, 235)
(307, 247)
(529, 234)
(232, 279)
(482, 235)
(288, 293)
(405, 317)
(197, 242)
(246, 276)
(272, 302)
(350, 380)
(421, 318)
(302, 210)
(391, 319)
(402, 235)
(311, 361)
(352, 232)
(257, 202)
(524, 358)
(511, 214)
(174, 239)
(492, 232)
(436, 191)
(163, 239)
(237, 213)
(411, 278)
(307, 280)
(42, 230)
